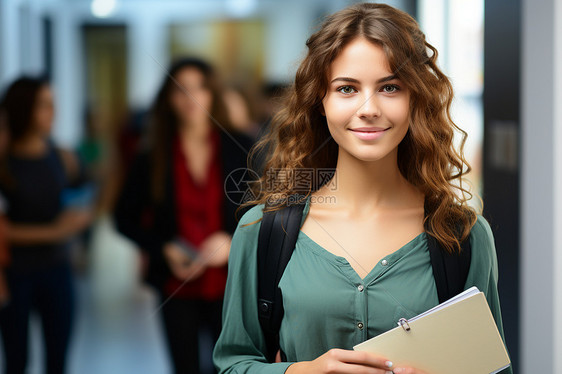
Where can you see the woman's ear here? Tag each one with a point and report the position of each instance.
(322, 111)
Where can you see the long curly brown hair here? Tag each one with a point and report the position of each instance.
(427, 158)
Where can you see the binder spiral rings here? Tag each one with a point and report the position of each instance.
(404, 323)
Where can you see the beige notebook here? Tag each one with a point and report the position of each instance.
(458, 336)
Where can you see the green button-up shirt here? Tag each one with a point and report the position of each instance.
(327, 305)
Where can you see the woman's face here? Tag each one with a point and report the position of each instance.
(43, 112)
(366, 106)
(192, 101)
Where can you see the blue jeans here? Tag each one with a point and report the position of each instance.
(49, 292)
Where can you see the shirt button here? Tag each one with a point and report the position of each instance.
(384, 262)
(360, 325)
(360, 288)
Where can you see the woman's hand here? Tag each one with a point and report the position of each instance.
(213, 253)
(340, 361)
(72, 221)
(216, 248)
(182, 266)
(407, 370)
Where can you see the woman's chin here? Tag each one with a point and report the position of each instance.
(368, 157)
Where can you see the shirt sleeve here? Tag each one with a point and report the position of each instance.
(483, 271)
(241, 346)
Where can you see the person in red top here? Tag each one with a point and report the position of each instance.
(173, 205)
(199, 216)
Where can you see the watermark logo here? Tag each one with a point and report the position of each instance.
(301, 179)
(243, 185)
(237, 185)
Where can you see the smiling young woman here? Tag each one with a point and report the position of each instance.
(370, 103)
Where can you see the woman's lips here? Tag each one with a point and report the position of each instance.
(369, 133)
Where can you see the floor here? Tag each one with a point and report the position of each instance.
(117, 327)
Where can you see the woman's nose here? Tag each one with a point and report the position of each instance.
(369, 108)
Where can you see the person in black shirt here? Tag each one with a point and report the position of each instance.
(32, 181)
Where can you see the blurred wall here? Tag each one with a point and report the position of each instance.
(502, 168)
(24, 23)
(456, 29)
(541, 187)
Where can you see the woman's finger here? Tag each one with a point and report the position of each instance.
(346, 368)
(407, 370)
(361, 358)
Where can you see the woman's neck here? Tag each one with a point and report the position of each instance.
(30, 146)
(194, 132)
(363, 188)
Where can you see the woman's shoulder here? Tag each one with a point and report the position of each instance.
(481, 232)
(252, 217)
(482, 244)
(69, 161)
(234, 149)
(235, 141)
(245, 238)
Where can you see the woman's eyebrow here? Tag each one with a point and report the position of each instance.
(353, 80)
(345, 79)
(387, 78)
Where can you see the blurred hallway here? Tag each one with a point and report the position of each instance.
(117, 341)
(105, 59)
(116, 328)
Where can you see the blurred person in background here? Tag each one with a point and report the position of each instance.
(39, 277)
(240, 112)
(272, 101)
(4, 254)
(174, 207)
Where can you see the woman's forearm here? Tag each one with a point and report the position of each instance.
(26, 234)
(68, 223)
(297, 368)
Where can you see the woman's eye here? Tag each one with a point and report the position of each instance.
(346, 90)
(390, 88)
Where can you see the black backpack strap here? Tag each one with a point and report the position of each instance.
(277, 239)
(450, 270)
